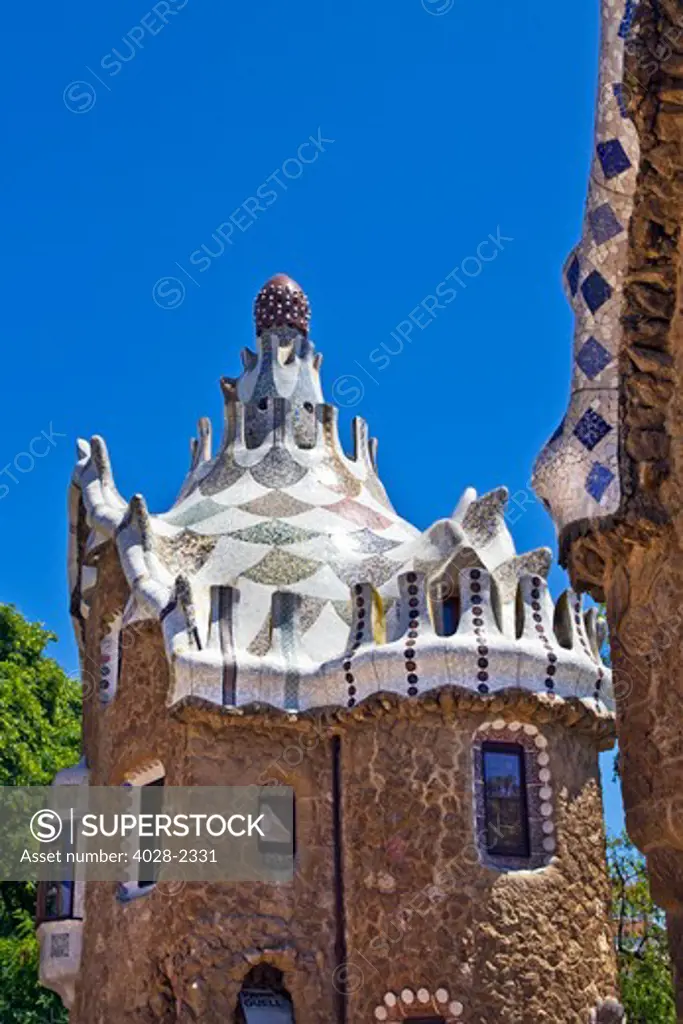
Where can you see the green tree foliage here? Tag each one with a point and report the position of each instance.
(640, 931)
(40, 725)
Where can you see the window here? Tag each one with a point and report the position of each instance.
(55, 901)
(505, 804)
(151, 802)
(451, 616)
(445, 601)
(278, 844)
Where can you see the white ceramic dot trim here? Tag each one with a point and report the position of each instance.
(415, 1001)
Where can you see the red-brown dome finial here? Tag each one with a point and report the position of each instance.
(281, 303)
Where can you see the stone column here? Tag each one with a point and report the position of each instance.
(627, 549)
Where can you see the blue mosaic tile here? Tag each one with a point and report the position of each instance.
(596, 291)
(604, 223)
(627, 20)
(593, 358)
(618, 89)
(598, 480)
(573, 275)
(613, 158)
(591, 429)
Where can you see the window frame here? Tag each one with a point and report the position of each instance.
(152, 774)
(143, 844)
(540, 792)
(63, 913)
(523, 850)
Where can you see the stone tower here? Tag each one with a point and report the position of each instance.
(438, 718)
(611, 475)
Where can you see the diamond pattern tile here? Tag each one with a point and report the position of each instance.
(376, 570)
(360, 514)
(194, 513)
(598, 480)
(593, 358)
(277, 469)
(613, 158)
(278, 569)
(276, 504)
(273, 533)
(596, 291)
(604, 224)
(627, 20)
(591, 429)
(372, 543)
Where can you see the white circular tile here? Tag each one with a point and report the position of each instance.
(455, 1008)
(530, 730)
(422, 995)
(548, 827)
(541, 742)
(545, 792)
(549, 844)
(499, 724)
(544, 775)
(543, 759)
(381, 1013)
(546, 810)
(515, 726)
(390, 999)
(407, 996)
(441, 995)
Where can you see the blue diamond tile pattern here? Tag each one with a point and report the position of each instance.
(627, 20)
(598, 480)
(593, 358)
(618, 89)
(604, 223)
(596, 291)
(573, 275)
(591, 429)
(613, 158)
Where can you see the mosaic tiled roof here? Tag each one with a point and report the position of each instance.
(283, 576)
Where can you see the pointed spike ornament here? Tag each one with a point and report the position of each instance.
(100, 457)
(249, 359)
(138, 517)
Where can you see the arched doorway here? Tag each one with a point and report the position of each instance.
(263, 998)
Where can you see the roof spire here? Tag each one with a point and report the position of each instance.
(281, 303)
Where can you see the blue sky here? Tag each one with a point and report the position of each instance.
(136, 132)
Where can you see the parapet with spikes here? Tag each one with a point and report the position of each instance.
(283, 577)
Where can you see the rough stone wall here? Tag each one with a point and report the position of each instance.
(180, 952)
(420, 910)
(635, 560)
